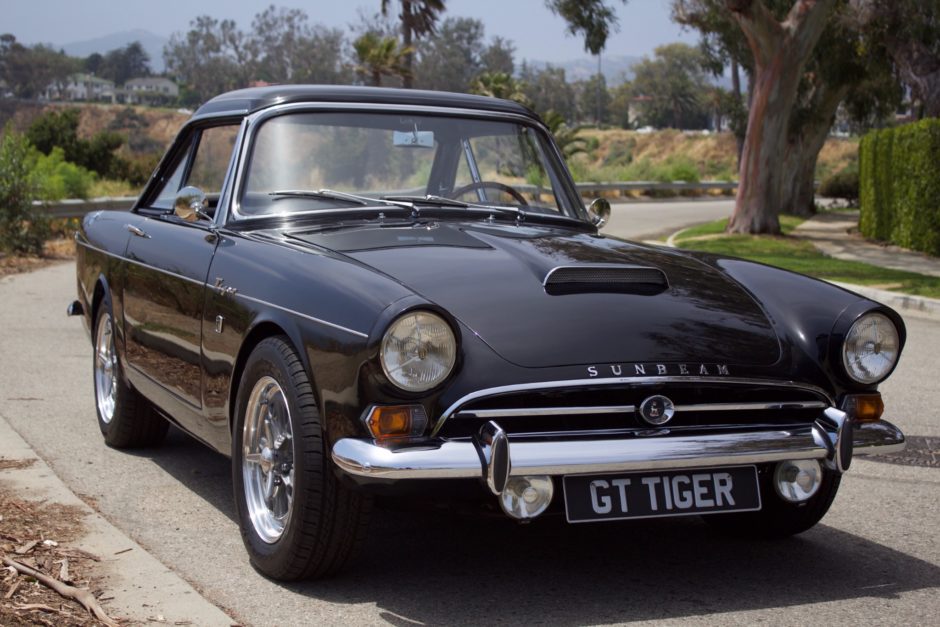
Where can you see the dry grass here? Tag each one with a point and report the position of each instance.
(715, 152)
(55, 251)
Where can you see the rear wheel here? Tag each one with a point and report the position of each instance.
(778, 518)
(296, 520)
(125, 419)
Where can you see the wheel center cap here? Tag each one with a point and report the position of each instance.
(267, 459)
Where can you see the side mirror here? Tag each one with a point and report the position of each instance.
(191, 204)
(599, 211)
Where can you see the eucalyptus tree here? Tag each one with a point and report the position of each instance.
(797, 82)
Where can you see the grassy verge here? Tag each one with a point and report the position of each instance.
(801, 256)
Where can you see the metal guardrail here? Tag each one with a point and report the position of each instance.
(76, 208)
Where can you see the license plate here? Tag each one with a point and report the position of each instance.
(653, 494)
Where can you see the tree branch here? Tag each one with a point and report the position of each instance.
(86, 598)
(763, 32)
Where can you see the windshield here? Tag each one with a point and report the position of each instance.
(306, 162)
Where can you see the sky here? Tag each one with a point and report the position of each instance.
(536, 32)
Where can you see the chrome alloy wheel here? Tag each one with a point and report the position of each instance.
(106, 383)
(268, 459)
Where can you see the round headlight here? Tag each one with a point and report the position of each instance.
(871, 348)
(418, 351)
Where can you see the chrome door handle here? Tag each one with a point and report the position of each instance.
(137, 231)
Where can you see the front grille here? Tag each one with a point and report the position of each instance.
(612, 409)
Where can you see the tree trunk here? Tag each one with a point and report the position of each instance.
(736, 91)
(799, 191)
(780, 53)
(407, 77)
(757, 203)
(921, 70)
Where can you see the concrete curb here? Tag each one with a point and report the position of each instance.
(142, 588)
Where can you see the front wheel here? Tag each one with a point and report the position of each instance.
(778, 518)
(126, 420)
(296, 520)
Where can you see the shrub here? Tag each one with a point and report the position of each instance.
(843, 184)
(56, 178)
(60, 129)
(135, 169)
(22, 229)
(900, 185)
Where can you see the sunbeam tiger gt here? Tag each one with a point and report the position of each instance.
(355, 291)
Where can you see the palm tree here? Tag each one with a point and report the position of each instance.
(567, 138)
(500, 85)
(417, 20)
(380, 56)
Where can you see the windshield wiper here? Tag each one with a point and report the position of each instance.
(451, 202)
(335, 195)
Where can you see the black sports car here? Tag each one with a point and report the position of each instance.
(357, 292)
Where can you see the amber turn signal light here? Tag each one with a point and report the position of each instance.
(396, 421)
(863, 407)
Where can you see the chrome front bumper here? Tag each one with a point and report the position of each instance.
(491, 456)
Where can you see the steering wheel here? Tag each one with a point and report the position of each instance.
(500, 187)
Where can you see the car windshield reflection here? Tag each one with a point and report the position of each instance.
(329, 161)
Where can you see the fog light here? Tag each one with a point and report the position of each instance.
(797, 480)
(526, 497)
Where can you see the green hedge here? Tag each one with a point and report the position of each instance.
(900, 185)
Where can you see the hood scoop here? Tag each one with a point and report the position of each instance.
(605, 278)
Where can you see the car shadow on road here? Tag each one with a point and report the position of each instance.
(431, 567)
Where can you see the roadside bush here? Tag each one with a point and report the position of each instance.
(56, 178)
(900, 184)
(135, 169)
(843, 184)
(22, 229)
(60, 129)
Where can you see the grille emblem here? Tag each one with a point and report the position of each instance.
(657, 410)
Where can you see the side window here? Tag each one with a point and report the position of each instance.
(168, 194)
(212, 158)
(208, 166)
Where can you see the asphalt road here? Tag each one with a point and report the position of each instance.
(648, 220)
(875, 559)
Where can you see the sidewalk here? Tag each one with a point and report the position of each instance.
(836, 234)
(135, 586)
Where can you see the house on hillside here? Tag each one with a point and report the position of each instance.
(86, 87)
(151, 91)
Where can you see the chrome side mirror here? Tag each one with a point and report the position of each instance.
(191, 204)
(599, 211)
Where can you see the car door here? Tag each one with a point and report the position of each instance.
(165, 286)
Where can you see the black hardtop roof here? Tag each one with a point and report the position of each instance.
(244, 101)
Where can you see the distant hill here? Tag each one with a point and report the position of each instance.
(152, 43)
(616, 68)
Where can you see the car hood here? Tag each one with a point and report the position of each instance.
(492, 278)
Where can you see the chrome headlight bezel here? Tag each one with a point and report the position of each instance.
(876, 329)
(435, 348)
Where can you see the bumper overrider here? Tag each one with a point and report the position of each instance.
(832, 440)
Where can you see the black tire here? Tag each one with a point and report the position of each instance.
(133, 423)
(326, 523)
(778, 518)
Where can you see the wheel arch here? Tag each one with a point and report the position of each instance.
(260, 331)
